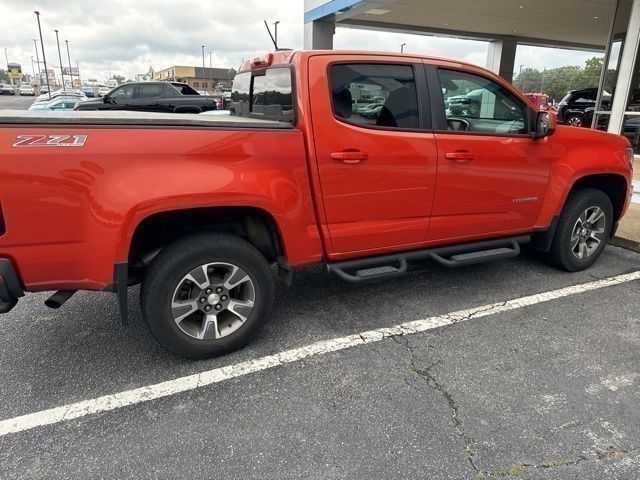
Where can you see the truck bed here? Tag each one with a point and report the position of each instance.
(122, 118)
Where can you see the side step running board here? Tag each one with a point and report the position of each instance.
(394, 265)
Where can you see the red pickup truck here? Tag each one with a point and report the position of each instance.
(203, 210)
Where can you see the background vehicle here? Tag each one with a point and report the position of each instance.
(7, 90)
(27, 90)
(45, 97)
(577, 107)
(57, 104)
(102, 91)
(89, 92)
(152, 97)
(202, 210)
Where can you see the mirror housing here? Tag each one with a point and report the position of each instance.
(545, 125)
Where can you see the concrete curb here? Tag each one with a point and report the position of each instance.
(626, 243)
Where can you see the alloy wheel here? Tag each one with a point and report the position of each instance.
(588, 232)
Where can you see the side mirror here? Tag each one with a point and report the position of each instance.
(106, 99)
(545, 125)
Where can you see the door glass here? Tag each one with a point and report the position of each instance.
(125, 91)
(152, 90)
(375, 95)
(272, 94)
(477, 104)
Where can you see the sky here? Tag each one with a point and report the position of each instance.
(126, 37)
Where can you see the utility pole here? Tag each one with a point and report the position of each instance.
(203, 57)
(6, 56)
(275, 27)
(44, 58)
(69, 58)
(402, 47)
(60, 58)
(211, 69)
(33, 67)
(35, 44)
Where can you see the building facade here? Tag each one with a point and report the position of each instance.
(198, 78)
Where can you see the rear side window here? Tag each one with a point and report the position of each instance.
(264, 94)
(375, 95)
(152, 90)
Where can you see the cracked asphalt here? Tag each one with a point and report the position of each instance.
(547, 391)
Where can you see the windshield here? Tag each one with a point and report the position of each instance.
(264, 94)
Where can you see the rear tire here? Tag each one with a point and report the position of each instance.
(583, 230)
(189, 300)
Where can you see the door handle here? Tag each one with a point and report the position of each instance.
(460, 156)
(349, 156)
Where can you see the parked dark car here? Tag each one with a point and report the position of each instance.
(166, 97)
(577, 107)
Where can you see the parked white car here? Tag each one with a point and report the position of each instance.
(59, 103)
(102, 91)
(27, 90)
(65, 93)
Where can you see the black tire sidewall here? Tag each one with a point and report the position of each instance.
(182, 257)
(576, 205)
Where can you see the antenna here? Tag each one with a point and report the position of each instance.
(275, 42)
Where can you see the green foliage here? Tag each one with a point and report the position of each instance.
(557, 82)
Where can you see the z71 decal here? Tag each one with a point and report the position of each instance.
(50, 141)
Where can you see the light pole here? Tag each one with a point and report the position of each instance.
(69, 58)
(33, 67)
(35, 44)
(203, 57)
(275, 32)
(402, 47)
(60, 58)
(6, 56)
(211, 69)
(44, 57)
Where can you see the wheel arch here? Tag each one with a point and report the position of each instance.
(159, 229)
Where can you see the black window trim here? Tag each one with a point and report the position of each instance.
(422, 91)
(439, 114)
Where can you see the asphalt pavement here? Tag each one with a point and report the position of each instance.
(543, 387)
(15, 102)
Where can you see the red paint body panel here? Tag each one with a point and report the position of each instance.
(70, 213)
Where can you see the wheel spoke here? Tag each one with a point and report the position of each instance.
(582, 252)
(596, 215)
(235, 278)
(240, 308)
(209, 328)
(182, 310)
(199, 276)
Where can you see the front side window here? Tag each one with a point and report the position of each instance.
(126, 91)
(375, 95)
(477, 104)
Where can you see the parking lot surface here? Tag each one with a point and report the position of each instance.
(15, 102)
(546, 387)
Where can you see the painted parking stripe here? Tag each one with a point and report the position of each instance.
(192, 382)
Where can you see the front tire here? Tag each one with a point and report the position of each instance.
(583, 230)
(207, 295)
(575, 120)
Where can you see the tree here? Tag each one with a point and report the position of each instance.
(557, 82)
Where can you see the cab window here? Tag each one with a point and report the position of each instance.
(373, 95)
(476, 104)
(264, 94)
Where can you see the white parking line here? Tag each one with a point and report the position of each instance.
(217, 375)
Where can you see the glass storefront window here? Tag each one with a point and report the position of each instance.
(612, 59)
(631, 130)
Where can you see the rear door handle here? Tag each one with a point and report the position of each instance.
(349, 156)
(460, 156)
